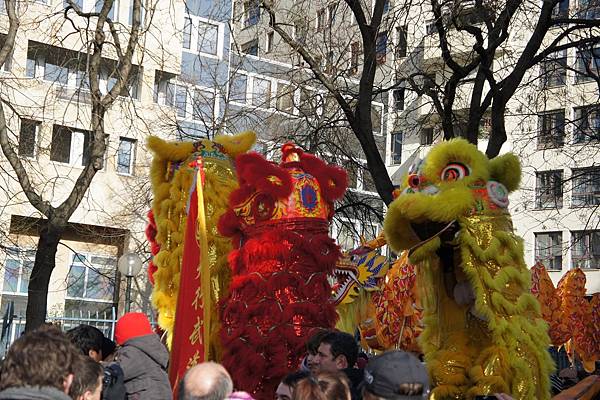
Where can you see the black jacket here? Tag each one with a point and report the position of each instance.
(356, 377)
(144, 361)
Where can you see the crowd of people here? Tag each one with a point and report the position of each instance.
(82, 364)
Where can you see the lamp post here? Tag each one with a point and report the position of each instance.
(129, 265)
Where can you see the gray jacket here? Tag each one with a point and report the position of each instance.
(33, 393)
(144, 361)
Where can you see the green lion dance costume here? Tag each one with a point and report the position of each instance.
(483, 331)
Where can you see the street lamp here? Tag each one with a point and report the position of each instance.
(129, 265)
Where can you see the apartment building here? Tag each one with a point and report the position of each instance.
(45, 83)
(553, 124)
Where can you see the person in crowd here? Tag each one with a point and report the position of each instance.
(207, 381)
(286, 387)
(323, 386)
(91, 342)
(87, 382)
(143, 359)
(312, 346)
(39, 365)
(393, 374)
(338, 351)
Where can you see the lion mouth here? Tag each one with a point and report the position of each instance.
(343, 280)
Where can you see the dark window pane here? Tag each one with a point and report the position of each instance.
(60, 149)
(76, 281)
(27, 137)
(11, 275)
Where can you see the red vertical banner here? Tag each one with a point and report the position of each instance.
(187, 348)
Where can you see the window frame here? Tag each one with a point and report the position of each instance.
(132, 156)
(20, 255)
(588, 257)
(36, 135)
(583, 133)
(591, 178)
(395, 156)
(549, 189)
(194, 46)
(555, 250)
(546, 138)
(87, 265)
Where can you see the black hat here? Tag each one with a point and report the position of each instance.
(385, 373)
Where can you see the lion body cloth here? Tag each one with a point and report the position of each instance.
(483, 331)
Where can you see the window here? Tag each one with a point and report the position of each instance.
(398, 95)
(126, 156)
(585, 249)
(354, 57)
(587, 124)
(28, 137)
(238, 88)
(300, 30)
(92, 6)
(251, 12)
(586, 187)
(91, 278)
(588, 64)
(548, 250)
(70, 68)
(17, 269)
(381, 47)
(549, 189)
(285, 97)
(250, 47)
(321, 18)
(367, 182)
(330, 63)
(430, 27)
(187, 33)
(551, 129)
(351, 169)
(376, 116)
(203, 108)
(269, 41)
(402, 44)
(386, 6)
(311, 102)
(561, 10)
(181, 101)
(142, 13)
(588, 9)
(69, 145)
(208, 38)
(396, 148)
(261, 95)
(346, 237)
(164, 88)
(426, 136)
(553, 70)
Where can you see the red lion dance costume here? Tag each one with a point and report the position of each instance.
(279, 223)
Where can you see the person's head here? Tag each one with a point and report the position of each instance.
(323, 386)
(337, 351)
(312, 348)
(286, 386)
(206, 381)
(87, 382)
(395, 375)
(132, 325)
(108, 349)
(88, 339)
(43, 357)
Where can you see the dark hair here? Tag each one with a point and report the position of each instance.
(86, 338)
(43, 357)
(293, 378)
(323, 386)
(86, 378)
(312, 345)
(342, 343)
(108, 347)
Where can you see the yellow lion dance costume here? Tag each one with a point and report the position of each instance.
(483, 331)
(172, 175)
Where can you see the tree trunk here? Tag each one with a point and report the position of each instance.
(45, 261)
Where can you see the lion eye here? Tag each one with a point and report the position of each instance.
(454, 172)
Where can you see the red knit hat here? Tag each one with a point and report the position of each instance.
(132, 325)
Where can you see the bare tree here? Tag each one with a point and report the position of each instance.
(100, 34)
(486, 50)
